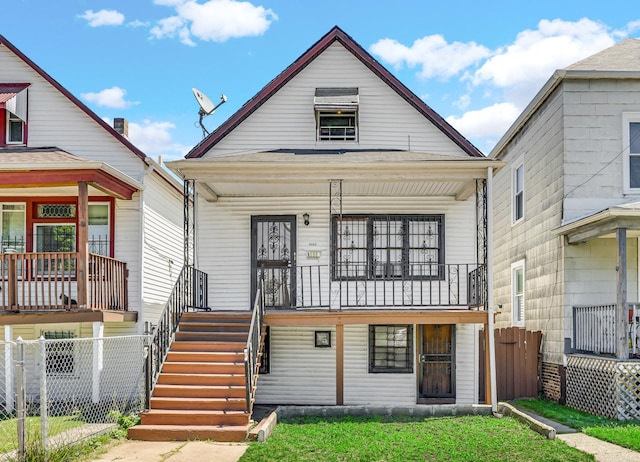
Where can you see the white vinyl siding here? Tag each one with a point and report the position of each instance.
(225, 253)
(163, 247)
(385, 120)
(300, 372)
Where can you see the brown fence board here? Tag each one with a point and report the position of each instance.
(517, 363)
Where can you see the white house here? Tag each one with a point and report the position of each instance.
(567, 223)
(364, 214)
(91, 228)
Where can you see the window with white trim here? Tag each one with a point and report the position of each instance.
(15, 129)
(631, 150)
(517, 293)
(336, 111)
(518, 192)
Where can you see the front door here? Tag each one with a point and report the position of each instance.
(436, 372)
(273, 254)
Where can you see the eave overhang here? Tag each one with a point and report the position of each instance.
(601, 224)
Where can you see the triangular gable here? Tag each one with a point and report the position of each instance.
(335, 34)
(72, 98)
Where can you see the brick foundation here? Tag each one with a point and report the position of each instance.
(554, 384)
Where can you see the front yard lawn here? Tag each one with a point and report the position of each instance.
(380, 438)
(622, 433)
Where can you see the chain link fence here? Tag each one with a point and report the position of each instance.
(59, 390)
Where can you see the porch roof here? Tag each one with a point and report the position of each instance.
(603, 223)
(46, 167)
(307, 172)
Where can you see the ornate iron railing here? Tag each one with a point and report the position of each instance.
(46, 281)
(594, 329)
(428, 284)
(252, 350)
(189, 291)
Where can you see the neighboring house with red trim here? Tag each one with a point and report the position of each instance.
(362, 213)
(91, 228)
(567, 230)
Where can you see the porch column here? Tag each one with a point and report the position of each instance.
(622, 315)
(339, 364)
(83, 245)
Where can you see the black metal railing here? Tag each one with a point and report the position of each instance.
(359, 285)
(54, 239)
(189, 292)
(252, 350)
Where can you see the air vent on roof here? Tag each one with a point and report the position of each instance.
(336, 99)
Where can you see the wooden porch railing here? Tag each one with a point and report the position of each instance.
(594, 329)
(46, 281)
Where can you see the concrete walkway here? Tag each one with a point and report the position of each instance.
(177, 451)
(601, 450)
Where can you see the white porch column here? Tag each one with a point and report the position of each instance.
(8, 369)
(98, 355)
(622, 315)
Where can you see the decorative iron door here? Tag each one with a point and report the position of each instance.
(273, 255)
(437, 367)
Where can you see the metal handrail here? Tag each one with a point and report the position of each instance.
(252, 350)
(189, 291)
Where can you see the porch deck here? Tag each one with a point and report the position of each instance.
(46, 282)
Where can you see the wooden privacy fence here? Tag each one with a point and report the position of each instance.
(518, 363)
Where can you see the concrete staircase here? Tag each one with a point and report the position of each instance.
(200, 392)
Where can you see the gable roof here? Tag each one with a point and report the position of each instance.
(72, 98)
(334, 35)
(620, 61)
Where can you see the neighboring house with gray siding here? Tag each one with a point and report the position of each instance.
(567, 223)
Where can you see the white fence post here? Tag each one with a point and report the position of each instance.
(44, 418)
(98, 358)
(21, 393)
(8, 370)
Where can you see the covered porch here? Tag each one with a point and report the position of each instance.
(52, 266)
(344, 230)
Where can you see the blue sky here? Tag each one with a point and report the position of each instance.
(475, 63)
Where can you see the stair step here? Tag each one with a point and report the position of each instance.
(184, 367)
(197, 404)
(186, 345)
(199, 391)
(215, 327)
(201, 379)
(205, 356)
(199, 417)
(236, 433)
(211, 336)
(218, 316)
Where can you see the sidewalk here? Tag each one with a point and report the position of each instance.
(177, 451)
(601, 450)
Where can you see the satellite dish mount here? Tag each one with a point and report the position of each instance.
(206, 107)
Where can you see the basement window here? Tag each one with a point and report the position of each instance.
(336, 112)
(60, 352)
(391, 348)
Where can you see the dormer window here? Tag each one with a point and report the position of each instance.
(13, 113)
(336, 114)
(15, 129)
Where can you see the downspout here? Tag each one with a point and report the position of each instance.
(490, 314)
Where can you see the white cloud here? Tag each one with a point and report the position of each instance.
(154, 138)
(214, 20)
(535, 54)
(137, 23)
(492, 121)
(432, 54)
(113, 97)
(103, 18)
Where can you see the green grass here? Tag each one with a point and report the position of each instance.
(9, 429)
(625, 433)
(379, 438)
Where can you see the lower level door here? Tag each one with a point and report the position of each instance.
(436, 373)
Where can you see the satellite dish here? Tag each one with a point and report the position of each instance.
(206, 107)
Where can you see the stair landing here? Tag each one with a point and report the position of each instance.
(200, 392)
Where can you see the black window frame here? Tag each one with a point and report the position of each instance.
(375, 351)
(340, 266)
